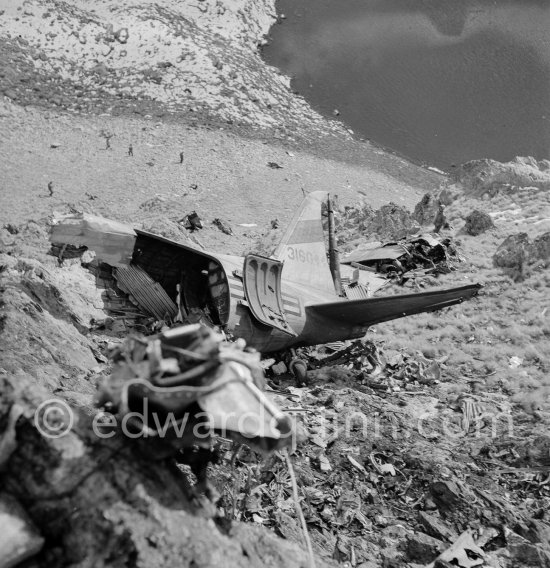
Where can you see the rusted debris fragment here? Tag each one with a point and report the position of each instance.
(223, 226)
(191, 222)
(379, 370)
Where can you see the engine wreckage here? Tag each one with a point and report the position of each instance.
(179, 388)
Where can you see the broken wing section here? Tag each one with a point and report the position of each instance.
(113, 242)
(370, 311)
(262, 285)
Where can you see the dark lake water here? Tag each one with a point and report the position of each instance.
(439, 81)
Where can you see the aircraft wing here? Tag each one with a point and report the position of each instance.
(370, 311)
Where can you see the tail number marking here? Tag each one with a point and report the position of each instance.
(295, 253)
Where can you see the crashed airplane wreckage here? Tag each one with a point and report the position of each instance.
(291, 299)
(176, 390)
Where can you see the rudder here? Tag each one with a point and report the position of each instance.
(302, 248)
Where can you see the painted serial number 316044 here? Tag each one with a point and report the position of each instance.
(307, 257)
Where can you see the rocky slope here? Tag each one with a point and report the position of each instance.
(189, 58)
(394, 467)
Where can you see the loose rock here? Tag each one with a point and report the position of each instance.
(478, 222)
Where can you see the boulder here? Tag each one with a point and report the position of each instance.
(426, 209)
(478, 222)
(539, 250)
(389, 223)
(517, 251)
(393, 221)
(511, 252)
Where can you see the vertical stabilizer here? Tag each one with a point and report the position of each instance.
(302, 248)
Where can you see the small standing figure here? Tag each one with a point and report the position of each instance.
(130, 150)
(107, 135)
(441, 219)
(181, 157)
(50, 188)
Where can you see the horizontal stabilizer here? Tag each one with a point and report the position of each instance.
(370, 311)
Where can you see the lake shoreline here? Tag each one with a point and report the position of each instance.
(234, 90)
(438, 84)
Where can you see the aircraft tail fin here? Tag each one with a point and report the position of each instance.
(303, 249)
(370, 311)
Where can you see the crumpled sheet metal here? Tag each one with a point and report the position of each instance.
(394, 250)
(113, 242)
(145, 292)
(182, 386)
(385, 252)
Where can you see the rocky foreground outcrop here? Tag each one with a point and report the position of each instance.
(80, 499)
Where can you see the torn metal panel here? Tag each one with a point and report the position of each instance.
(356, 291)
(262, 285)
(147, 293)
(113, 242)
(389, 252)
(427, 238)
(243, 410)
(353, 276)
